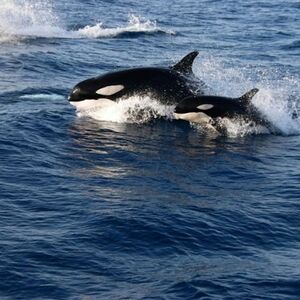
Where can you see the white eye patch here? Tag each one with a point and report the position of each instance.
(110, 90)
(205, 106)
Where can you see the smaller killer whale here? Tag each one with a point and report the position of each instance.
(207, 109)
(168, 85)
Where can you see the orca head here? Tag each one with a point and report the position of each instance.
(91, 92)
(199, 109)
(194, 109)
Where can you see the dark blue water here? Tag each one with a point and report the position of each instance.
(114, 207)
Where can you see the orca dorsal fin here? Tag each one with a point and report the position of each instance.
(186, 63)
(246, 98)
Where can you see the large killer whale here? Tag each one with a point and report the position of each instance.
(168, 85)
(205, 110)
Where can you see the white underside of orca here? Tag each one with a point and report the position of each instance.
(91, 105)
(197, 118)
(194, 117)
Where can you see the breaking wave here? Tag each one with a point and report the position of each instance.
(135, 25)
(25, 19)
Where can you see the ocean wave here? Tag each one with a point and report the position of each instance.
(42, 96)
(135, 25)
(23, 19)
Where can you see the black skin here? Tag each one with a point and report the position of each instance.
(168, 85)
(224, 107)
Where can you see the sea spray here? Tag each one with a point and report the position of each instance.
(135, 25)
(277, 100)
(135, 109)
(25, 19)
(22, 18)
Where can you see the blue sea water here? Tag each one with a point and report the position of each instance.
(118, 207)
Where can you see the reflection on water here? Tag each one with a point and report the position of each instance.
(172, 161)
(106, 137)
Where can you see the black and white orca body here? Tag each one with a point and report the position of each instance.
(207, 109)
(168, 85)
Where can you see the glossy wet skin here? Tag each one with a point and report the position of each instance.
(201, 109)
(167, 85)
(213, 106)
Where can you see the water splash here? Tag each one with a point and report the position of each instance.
(135, 25)
(277, 100)
(135, 109)
(28, 19)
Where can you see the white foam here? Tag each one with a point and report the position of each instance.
(20, 19)
(135, 24)
(42, 97)
(135, 109)
(240, 127)
(273, 100)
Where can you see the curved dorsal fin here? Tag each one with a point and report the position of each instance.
(249, 95)
(186, 63)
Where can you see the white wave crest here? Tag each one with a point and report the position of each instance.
(135, 25)
(20, 19)
(43, 97)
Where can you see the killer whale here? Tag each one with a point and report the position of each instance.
(168, 85)
(208, 109)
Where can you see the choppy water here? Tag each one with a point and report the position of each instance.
(119, 207)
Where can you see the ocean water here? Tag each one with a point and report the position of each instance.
(124, 205)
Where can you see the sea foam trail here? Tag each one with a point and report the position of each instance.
(24, 18)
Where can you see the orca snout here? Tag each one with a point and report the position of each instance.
(89, 89)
